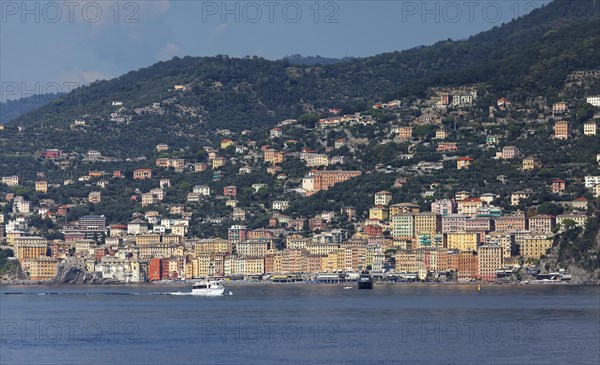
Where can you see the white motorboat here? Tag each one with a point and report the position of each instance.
(210, 288)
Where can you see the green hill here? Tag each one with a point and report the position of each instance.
(531, 55)
(12, 109)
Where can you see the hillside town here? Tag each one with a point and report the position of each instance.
(238, 206)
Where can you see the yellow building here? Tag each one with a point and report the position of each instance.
(441, 134)
(404, 208)
(378, 212)
(464, 162)
(41, 186)
(244, 266)
(254, 265)
(321, 248)
(179, 230)
(30, 251)
(535, 247)
(427, 223)
(531, 163)
(226, 143)
(462, 241)
(469, 206)
(160, 251)
(215, 245)
(204, 264)
(218, 162)
(252, 249)
(330, 263)
(155, 239)
(42, 268)
(11, 237)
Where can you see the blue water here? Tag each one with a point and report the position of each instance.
(301, 324)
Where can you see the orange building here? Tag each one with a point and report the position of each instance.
(323, 180)
(511, 223)
(273, 156)
(468, 265)
(489, 260)
(141, 174)
(561, 130)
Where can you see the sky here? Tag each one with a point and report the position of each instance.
(54, 46)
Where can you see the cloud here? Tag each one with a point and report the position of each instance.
(99, 14)
(157, 7)
(169, 51)
(82, 77)
(217, 31)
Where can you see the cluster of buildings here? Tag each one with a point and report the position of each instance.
(467, 237)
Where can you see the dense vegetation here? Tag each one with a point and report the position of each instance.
(8, 267)
(12, 109)
(531, 54)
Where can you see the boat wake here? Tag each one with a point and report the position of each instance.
(178, 293)
(198, 295)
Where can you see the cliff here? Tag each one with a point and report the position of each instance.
(73, 272)
(578, 252)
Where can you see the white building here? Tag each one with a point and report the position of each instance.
(202, 190)
(594, 100)
(10, 180)
(281, 204)
(591, 181)
(589, 129)
(119, 269)
(383, 198)
(137, 226)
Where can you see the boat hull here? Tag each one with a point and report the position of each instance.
(365, 285)
(210, 292)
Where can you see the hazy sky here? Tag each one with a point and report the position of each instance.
(49, 46)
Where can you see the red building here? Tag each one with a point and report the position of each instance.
(373, 230)
(558, 186)
(230, 191)
(164, 273)
(269, 263)
(101, 252)
(155, 269)
(52, 153)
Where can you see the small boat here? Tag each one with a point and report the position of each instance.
(365, 281)
(210, 288)
(347, 287)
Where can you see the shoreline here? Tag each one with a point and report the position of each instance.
(234, 283)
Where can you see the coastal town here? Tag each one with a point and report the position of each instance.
(253, 205)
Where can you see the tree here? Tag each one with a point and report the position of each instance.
(308, 120)
(550, 208)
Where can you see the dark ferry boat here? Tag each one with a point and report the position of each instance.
(365, 281)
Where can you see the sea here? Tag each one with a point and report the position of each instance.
(301, 324)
